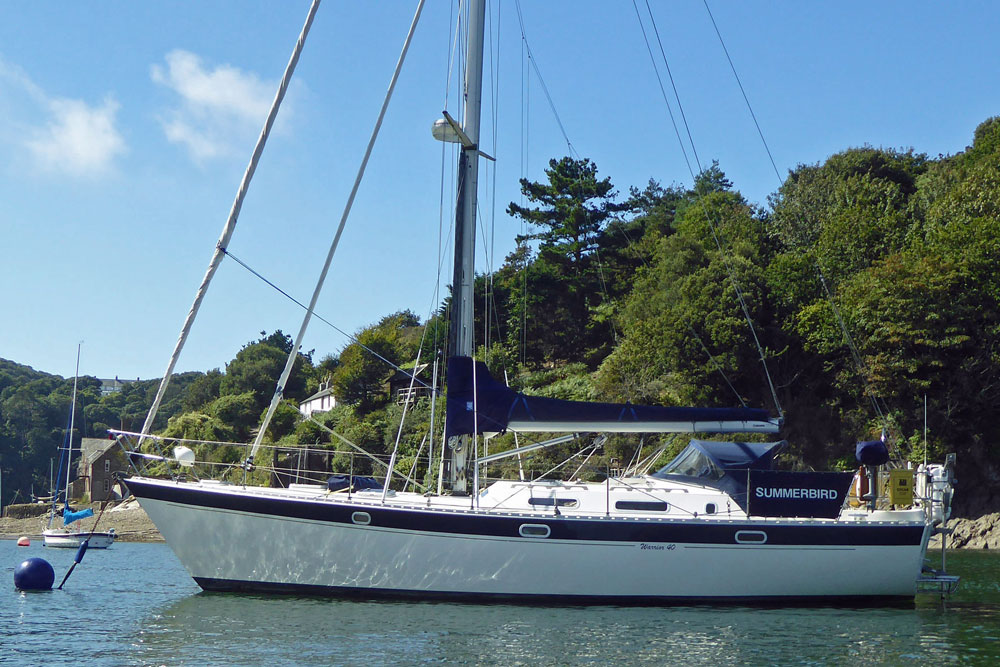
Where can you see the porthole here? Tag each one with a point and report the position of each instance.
(710, 508)
(361, 518)
(534, 530)
(751, 537)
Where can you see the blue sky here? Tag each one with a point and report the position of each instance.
(125, 128)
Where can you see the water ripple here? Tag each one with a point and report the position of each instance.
(135, 605)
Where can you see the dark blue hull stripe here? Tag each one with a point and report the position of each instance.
(618, 529)
(234, 586)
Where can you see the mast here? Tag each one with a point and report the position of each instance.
(72, 418)
(460, 343)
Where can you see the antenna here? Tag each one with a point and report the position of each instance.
(925, 431)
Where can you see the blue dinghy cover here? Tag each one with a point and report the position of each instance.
(872, 453)
(495, 405)
(341, 482)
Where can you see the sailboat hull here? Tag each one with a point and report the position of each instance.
(61, 539)
(236, 539)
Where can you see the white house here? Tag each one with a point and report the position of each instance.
(322, 401)
(109, 386)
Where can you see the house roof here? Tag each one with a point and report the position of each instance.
(94, 448)
(406, 373)
(322, 393)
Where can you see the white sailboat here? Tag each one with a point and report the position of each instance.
(716, 524)
(72, 539)
(65, 537)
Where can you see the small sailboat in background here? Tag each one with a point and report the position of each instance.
(66, 537)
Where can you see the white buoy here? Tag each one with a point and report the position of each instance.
(23, 541)
(184, 456)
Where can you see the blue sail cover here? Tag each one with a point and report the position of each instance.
(70, 516)
(340, 482)
(495, 406)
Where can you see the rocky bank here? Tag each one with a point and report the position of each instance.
(981, 533)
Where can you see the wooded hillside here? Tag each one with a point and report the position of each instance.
(871, 281)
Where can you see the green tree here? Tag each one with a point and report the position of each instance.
(258, 366)
(203, 390)
(850, 212)
(684, 331)
(239, 412)
(570, 213)
(367, 363)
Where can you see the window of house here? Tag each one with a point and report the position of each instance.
(107, 465)
(107, 486)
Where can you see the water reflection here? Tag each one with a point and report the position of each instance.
(242, 629)
(135, 605)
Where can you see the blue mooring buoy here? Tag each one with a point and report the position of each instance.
(34, 574)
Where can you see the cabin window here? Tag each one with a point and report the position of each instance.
(534, 530)
(556, 502)
(642, 505)
(692, 463)
(361, 518)
(710, 508)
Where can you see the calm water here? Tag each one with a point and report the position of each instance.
(135, 605)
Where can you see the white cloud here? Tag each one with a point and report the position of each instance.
(14, 77)
(218, 108)
(79, 139)
(201, 145)
(74, 137)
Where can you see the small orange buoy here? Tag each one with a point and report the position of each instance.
(23, 542)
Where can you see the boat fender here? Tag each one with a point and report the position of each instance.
(34, 574)
(76, 560)
(184, 456)
(81, 550)
(860, 483)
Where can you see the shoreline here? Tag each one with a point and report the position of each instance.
(129, 521)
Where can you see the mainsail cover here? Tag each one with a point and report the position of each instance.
(478, 403)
